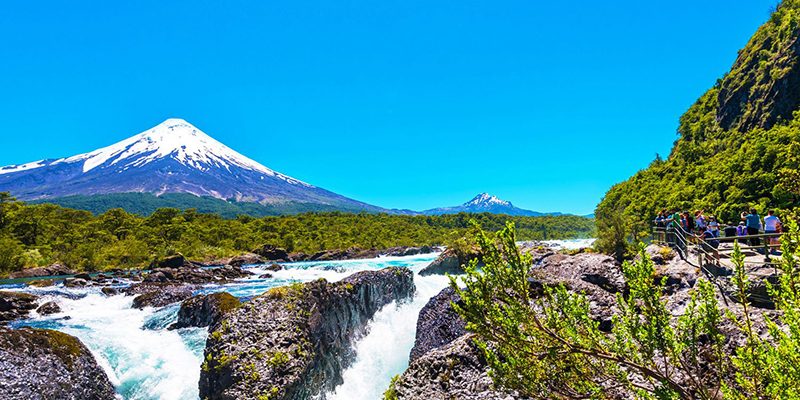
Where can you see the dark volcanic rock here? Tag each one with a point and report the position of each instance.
(272, 253)
(438, 323)
(16, 305)
(203, 310)
(456, 371)
(450, 262)
(246, 259)
(597, 276)
(195, 275)
(176, 261)
(596, 269)
(52, 270)
(293, 342)
(51, 307)
(273, 267)
(159, 295)
(44, 364)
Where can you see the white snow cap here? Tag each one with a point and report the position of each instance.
(485, 199)
(174, 138)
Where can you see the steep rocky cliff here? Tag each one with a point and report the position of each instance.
(293, 342)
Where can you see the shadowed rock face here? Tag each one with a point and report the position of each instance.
(159, 294)
(438, 324)
(455, 371)
(293, 342)
(203, 310)
(450, 262)
(14, 305)
(44, 364)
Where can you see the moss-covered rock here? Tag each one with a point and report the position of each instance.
(46, 364)
(203, 310)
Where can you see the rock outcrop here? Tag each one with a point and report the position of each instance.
(203, 310)
(456, 371)
(450, 262)
(195, 275)
(51, 307)
(16, 305)
(438, 323)
(52, 270)
(42, 364)
(159, 294)
(293, 342)
(246, 259)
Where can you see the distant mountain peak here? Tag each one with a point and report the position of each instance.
(171, 157)
(485, 202)
(485, 199)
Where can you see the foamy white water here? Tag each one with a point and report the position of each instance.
(145, 361)
(384, 351)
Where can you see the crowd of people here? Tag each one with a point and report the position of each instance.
(707, 228)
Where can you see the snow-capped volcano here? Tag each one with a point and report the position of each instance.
(484, 202)
(172, 157)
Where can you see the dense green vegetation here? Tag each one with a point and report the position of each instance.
(738, 146)
(41, 234)
(549, 345)
(145, 204)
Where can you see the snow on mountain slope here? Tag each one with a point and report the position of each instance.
(484, 202)
(172, 157)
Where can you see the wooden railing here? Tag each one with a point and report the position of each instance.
(688, 245)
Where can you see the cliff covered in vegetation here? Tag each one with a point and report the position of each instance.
(738, 145)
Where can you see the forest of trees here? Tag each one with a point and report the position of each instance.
(41, 234)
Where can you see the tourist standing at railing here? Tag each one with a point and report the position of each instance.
(689, 221)
(700, 220)
(713, 225)
(753, 223)
(771, 226)
(710, 242)
(661, 224)
(741, 230)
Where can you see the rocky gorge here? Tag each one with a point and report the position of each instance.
(192, 303)
(303, 339)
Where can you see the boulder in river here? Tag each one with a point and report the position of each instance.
(52, 270)
(51, 307)
(294, 342)
(272, 253)
(450, 262)
(43, 364)
(159, 295)
(16, 305)
(246, 259)
(203, 310)
(175, 261)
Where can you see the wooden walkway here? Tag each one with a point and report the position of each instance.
(761, 257)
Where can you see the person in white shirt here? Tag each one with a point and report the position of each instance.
(771, 225)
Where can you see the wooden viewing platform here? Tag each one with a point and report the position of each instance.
(761, 259)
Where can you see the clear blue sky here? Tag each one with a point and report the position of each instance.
(400, 103)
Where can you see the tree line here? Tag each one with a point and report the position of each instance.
(34, 235)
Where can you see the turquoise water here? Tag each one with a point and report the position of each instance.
(146, 361)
